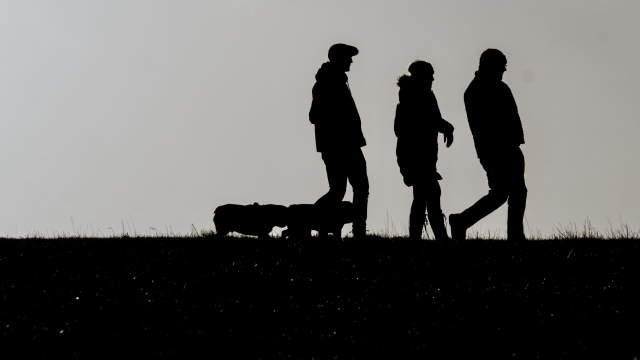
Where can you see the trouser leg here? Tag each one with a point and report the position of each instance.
(330, 201)
(515, 217)
(426, 196)
(505, 174)
(357, 175)
(418, 208)
(517, 198)
(483, 207)
(497, 177)
(337, 177)
(434, 210)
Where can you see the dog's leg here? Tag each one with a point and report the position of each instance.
(337, 231)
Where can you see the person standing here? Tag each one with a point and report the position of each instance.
(417, 124)
(497, 134)
(339, 135)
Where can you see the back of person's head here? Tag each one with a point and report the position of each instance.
(492, 59)
(420, 67)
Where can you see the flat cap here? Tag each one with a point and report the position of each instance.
(492, 57)
(337, 51)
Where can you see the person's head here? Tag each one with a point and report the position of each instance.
(493, 62)
(421, 70)
(341, 54)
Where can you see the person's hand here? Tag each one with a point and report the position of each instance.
(448, 138)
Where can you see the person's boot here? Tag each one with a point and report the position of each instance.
(438, 228)
(415, 227)
(458, 229)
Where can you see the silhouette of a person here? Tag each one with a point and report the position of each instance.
(497, 134)
(339, 135)
(417, 124)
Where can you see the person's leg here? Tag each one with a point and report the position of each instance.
(337, 176)
(517, 198)
(418, 208)
(357, 175)
(483, 207)
(436, 218)
(498, 195)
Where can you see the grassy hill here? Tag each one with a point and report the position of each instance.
(319, 298)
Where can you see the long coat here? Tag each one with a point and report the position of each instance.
(417, 124)
(333, 112)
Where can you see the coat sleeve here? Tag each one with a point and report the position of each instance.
(477, 110)
(514, 122)
(316, 113)
(399, 126)
(444, 126)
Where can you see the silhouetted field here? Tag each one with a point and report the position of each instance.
(320, 298)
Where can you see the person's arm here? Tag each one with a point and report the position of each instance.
(399, 123)
(441, 125)
(446, 129)
(316, 111)
(476, 108)
(514, 119)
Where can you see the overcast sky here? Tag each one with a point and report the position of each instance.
(153, 113)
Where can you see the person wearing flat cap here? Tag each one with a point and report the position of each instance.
(339, 136)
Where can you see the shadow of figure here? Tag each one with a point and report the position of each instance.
(497, 134)
(339, 135)
(417, 124)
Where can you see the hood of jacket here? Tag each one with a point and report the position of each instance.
(328, 72)
(405, 81)
(408, 82)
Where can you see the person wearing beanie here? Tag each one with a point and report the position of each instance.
(339, 137)
(417, 124)
(497, 134)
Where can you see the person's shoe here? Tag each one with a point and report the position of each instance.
(458, 230)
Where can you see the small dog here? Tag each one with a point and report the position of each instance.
(256, 219)
(306, 217)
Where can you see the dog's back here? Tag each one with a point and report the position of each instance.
(256, 219)
(306, 217)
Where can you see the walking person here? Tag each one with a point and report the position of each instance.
(339, 135)
(497, 134)
(417, 124)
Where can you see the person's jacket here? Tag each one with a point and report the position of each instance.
(417, 124)
(333, 112)
(493, 115)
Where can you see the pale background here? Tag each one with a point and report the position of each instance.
(153, 113)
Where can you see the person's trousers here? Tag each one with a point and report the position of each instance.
(426, 197)
(342, 166)
(505, 174)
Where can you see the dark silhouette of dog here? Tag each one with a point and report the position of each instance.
(256, 219)
(303, 218)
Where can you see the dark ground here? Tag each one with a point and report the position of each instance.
(318, 298)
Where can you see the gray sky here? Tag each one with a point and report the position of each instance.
(160, 111)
